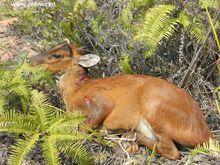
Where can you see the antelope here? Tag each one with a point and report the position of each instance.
(160, 113)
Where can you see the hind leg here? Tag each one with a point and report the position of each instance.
(164, 146)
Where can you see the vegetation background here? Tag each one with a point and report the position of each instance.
(177, 40)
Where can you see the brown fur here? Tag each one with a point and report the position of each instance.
(121, 102)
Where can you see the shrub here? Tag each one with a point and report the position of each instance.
(17, 81)
(53, 129)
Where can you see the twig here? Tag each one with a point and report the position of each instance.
(128, 156)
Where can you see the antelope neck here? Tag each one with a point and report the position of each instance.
(72, 79)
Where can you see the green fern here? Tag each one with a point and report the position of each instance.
(16, 83)
(47, 125)
(126, 15)
(124, 64)
(197, 31)
(50, 151)
(2, 102)
(77, 151)
(21, 149)
(195, 28)
(83, 3)
(212, 148)
(158, 24)
(210, 3)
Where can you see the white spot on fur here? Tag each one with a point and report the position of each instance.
(145, 128)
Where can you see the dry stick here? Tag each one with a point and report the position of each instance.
(193, 63)
(128, 156)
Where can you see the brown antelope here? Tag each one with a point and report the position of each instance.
(158, 111)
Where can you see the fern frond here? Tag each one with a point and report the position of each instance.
(184, 19)
(124, 64)
(158, 24)
(70, 136)
(64, 123)
(77, 151)
(143, 2)
(13, 116)
(40, 73)
(13, 122)
(2, 103)
(18, 77)
(23, 91)
(151, 50)
(38, 106)
(212, 148)
(53, 112)
(24, 128)
(50, 152)
(16, 81)
(54, 123)
(91, 4)
(196, 28)
(167, 30)
(197, 31)
(210, 3)
(22, 148)
(154, 21)
(126, 15)
(41, 108)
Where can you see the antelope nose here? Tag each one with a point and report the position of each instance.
(33, 60)
(37, 59)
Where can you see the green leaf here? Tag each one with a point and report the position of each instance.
(64, 123)
(89, 4)
(210, 3)
(13, 122)
(50, 152)
(124, 64)
(212, 148)
(143, 2)
(77, 151)
(158, 24)
(184, 19)
(126, 15)
(22, 148)
(38, 106)
(2, 103)
(70, 136)
(197, 31)
(24, 128)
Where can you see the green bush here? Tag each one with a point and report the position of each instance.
(54, 130)
(17, 81)
(27, 113)
(121, 27)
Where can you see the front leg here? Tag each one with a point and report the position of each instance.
(98, 108)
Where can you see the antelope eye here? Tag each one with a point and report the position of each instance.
(56, 56)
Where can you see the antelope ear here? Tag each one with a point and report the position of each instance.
(88, 60)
